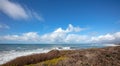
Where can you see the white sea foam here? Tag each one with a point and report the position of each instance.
(110, 45)
(9, 55)
(66, 48)
(62, 48)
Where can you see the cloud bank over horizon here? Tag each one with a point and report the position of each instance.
(60, 35)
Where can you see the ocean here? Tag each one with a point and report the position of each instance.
(11, 51)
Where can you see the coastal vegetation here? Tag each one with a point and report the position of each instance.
(108, 56)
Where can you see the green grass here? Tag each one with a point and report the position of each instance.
(51, 62)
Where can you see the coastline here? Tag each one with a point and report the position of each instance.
(108, 56)
(9, 52)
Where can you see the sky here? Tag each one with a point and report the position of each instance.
(59, 21)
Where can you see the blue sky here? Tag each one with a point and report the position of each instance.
(85, 20)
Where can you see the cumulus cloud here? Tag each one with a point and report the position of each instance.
(17, 11)
(61, 35)
(75, 38)
(108, 38)
(24, 37)
(70, 28)
(4, 26)
(58, 36)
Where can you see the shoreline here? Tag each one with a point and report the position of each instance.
(23, 50)
(65, 56)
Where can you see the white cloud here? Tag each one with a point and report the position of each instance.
(13, 10)
(60, 35)
(108, 38)
(17, 11)
(37, 16)
(30, 36)
(4, 26)
(70, 28)
(74, 38)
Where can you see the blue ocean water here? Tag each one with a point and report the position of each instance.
(11, 51)
(22, 47)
